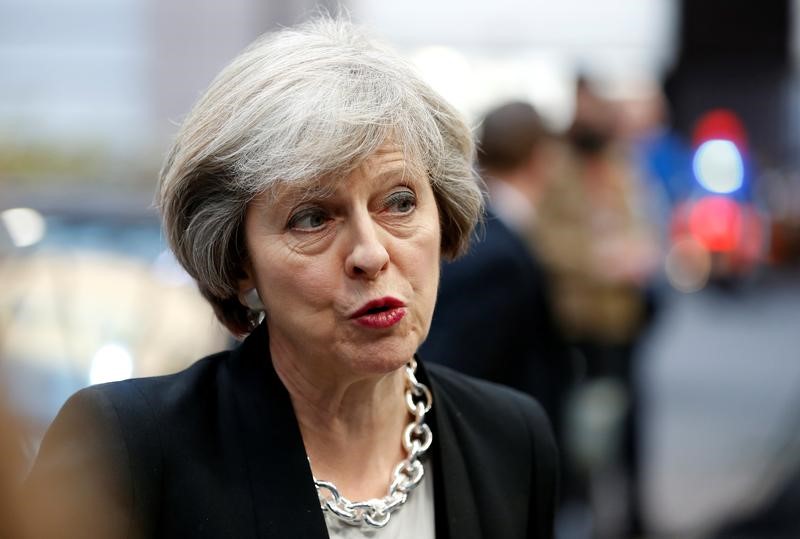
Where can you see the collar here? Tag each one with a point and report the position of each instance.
(511, 205)
(284, 497)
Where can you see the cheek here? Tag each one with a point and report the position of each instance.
(427, 285)
(432, 284)
(434, 247)
(426, 264)
(304, 285)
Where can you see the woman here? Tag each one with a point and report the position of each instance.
(310, 193)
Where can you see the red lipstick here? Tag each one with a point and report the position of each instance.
(380, 313)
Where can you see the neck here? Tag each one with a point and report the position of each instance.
(351, 425)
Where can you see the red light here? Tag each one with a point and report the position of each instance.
(720, 124)
(716, 222)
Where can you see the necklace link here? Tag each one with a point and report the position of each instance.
(407, 475)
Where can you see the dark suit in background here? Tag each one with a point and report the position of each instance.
(493, 319)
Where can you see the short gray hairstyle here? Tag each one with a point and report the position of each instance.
(299, 105)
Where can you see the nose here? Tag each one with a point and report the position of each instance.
(367, 256)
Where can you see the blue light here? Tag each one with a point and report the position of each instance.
(718, 166)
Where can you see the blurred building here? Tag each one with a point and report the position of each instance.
(96, 88)
(105, 82)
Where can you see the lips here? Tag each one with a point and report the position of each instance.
(378, 305)
(380, 313)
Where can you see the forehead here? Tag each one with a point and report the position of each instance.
(386, 161)
(389, 162)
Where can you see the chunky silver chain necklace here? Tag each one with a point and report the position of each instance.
(417, 438)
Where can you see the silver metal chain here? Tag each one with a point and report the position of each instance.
(408, 473)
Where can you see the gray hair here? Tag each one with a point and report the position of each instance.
(299, 105)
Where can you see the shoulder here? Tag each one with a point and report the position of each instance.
(111, 407)
(507, 445)
(99, 468)
(157, 394)
(494, 404)
(119, 403)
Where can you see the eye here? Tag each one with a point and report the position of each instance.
(308, 219)
(401, 201)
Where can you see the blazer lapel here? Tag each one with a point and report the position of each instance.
(452, 485)
(285, 500)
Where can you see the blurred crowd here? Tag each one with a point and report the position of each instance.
(589, 233)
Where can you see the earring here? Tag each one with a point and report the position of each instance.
(252, 300)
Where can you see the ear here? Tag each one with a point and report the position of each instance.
(246, 283)
(248, 293)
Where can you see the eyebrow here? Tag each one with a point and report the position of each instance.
(402, 172)
(290, 194)
(402, 166)
(295, 193)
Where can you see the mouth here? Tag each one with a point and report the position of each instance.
(380, 313)
(378, 306)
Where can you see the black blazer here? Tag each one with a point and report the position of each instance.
(216, 451)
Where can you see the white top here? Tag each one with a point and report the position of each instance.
(511, 206)
(414, 519)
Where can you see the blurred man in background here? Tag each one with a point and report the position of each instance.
(493, 317)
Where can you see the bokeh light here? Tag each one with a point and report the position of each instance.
(716, 222)
(110, 363)
(718, 166)
(688, 265)
(720, 124)
(25, 226)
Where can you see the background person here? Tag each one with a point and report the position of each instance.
(493, 318)
(601, 252)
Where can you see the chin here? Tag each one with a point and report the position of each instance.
(383, 359)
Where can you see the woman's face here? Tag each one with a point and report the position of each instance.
(348, 274)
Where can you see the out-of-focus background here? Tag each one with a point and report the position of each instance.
(682, 423)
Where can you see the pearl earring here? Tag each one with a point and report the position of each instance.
(252, 300)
